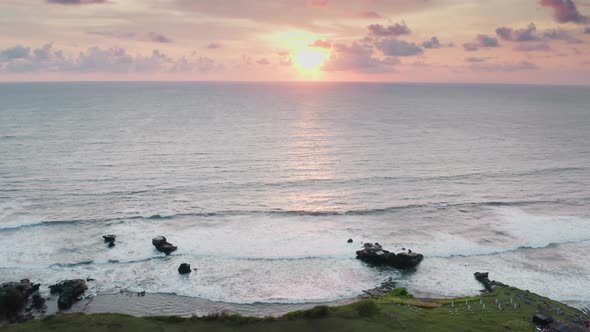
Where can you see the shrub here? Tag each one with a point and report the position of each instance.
(367, 308)
(317, 312)
(400, 292)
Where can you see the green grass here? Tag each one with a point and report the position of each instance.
(396, 311)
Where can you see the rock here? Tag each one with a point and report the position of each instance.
(489, 285)
(70, 292)
(13, 297)
(184, 268)
(109, 238)
(162, 245)
(375, 254)
(349, 241)
(382, 290)
(38, 301)
(158, 240)
(111, 244)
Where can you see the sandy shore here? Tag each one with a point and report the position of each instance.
(135, 304)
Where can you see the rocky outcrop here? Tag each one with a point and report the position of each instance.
(38, 301)
(382, 290)
(489, 285)
(13, 298)
(184, 268)
(375, 254)
(110, 240)
(69, 292)
(162, 245)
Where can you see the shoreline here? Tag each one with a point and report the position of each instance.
(504, 308)
(158, 304)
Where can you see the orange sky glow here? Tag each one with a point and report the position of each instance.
(500, 41)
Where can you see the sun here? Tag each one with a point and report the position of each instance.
(309, 60)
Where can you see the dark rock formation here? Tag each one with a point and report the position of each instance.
(70, 292)
(38, 301)
(184, 268)
(489, 285)
(383, 289)
(109, 238)
(162, 245)
(13, 297)
(349, 241)
(374, 254)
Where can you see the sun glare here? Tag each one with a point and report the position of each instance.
(309, 60)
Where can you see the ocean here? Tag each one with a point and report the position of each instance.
(260, 185)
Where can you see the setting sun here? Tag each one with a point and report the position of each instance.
(309, 60)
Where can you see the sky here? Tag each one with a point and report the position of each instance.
(480, 41)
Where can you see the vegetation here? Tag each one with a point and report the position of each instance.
(506, 309)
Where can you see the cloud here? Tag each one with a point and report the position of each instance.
(200, 65)
(318, 3)
(358, 58)
(16, 52)
(114, 34)
(565, 11)
(529, 34)
(321, 44)
(519, 35)
(152, 36)
(284, 58)
(560, 34)
(213, 46)
(432, 43)
(300, 14)
(481, 41)
(505, 66)
(368, 15)
(435, 43)
(159, 38)
(394, 30)
(96, 60)
(557, 34)
(476, 59)
(395, 47)
(532, 47)
(76, 2)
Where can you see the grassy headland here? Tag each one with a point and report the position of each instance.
(505, 309)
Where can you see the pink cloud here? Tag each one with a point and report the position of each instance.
(527, 34)
(393, 30)
(565, 11)
(481, 41)
(358, 58)
(76, 2)
(321, 44)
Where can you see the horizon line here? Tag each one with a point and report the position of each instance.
(302, 81)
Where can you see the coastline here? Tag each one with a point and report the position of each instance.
(504, 308)
(160, 304)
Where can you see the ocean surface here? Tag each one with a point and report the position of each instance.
(261, 185)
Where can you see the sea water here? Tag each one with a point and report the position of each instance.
(260, 185)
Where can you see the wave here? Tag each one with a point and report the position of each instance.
(284, 213)
(452, 177)
(161, 257)
(496, 251)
